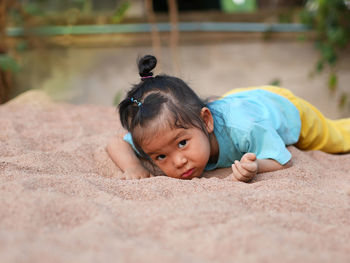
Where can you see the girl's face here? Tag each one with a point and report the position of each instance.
(181, 153)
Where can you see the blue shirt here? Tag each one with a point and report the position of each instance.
(256, 121)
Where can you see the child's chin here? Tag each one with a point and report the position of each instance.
(188, 178)
(191, 176)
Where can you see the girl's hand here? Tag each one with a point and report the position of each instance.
(245, 169)
(135, 173)
(124, 157)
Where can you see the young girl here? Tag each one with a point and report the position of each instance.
(248, 129)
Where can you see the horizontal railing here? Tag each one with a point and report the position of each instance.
(162, 27)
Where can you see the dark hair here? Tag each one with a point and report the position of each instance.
(154, 96)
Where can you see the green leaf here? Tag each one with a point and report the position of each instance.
(335, 35)
(8, 63)
(80, 2)
(22, 46)
(328, 53)
(319, 66)
(332, 82)
(302, 38)
(330, 21)
(306, 17)
(117, 98)
(275, 82)
(120, 12)
(343, 100)
(33, 9)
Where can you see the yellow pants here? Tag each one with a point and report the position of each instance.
(317, 131)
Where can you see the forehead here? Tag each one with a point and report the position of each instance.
(164, 140)
(154, 128)
(141, 133)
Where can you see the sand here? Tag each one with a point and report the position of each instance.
(61, 200)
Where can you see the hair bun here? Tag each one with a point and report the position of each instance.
(146, 64)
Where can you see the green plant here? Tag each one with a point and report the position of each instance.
(120, 12)
(117, 98)
(275, 82)
(8, 63)
(330, 19)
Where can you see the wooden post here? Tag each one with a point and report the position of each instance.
(5, 76)
(174, 36)
(156, 43)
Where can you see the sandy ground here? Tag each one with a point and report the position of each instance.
(61, 200)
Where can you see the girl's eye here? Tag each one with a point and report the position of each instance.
(182, 143)
(160, 157)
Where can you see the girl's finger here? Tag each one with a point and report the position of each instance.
(241, 174)
(250, 167)
(245, 174)
(241, 169)
(122, 176)
(143, 176)
(128, 176)
(249, 157)
(236, 174)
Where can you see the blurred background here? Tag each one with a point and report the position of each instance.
(85, 51)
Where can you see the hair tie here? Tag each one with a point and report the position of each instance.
(146, 77)
(135, 101)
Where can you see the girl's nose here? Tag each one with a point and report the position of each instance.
(180, 160)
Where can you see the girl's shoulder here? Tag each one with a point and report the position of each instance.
(264, 98)
(252, 106)
(247, 102)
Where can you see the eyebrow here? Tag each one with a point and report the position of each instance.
(178, 135)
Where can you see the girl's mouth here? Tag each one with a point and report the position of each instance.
(188, 173)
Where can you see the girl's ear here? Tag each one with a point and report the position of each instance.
(207, 118)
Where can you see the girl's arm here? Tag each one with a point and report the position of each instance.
(245, 169)
(269, 165)
(124, 157)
